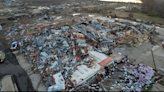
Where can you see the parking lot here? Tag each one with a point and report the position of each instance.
(12, 67)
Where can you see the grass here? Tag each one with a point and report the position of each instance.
(5, 21)
(111, 6)
(140, 16)
(68, 24)
(121, 14)
(2, 6)
(145, 17)
(67, 10)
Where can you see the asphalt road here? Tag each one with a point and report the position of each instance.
(12, 67)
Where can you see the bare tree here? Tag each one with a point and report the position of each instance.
(153, 7)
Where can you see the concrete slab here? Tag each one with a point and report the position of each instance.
(158, 88)
(12, 67)
(35, 78)
(135, 54)
(154, 89)
(7, 83)
(42, 87)
(23, 62)
(158, 57)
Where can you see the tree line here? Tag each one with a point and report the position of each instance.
(153, 7)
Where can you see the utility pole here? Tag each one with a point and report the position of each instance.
(153, 60)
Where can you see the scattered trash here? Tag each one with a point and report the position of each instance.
(1, 28)
(14, 45)
(163, 44)
(2, 56)
(141, 76)
(59, 83)
(71, 56)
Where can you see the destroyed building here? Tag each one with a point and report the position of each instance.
(68, 57)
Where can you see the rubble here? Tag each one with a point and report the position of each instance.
(134, 77)
(70, 56)
(1, 28)
(14, 45)
(58, 81)
(141, 76)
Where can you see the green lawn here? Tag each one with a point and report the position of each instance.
(140, 16)
(2, 6)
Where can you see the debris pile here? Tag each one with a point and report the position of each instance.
(71, 52)
(135, 77)
(56, 51)
(121, 33)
